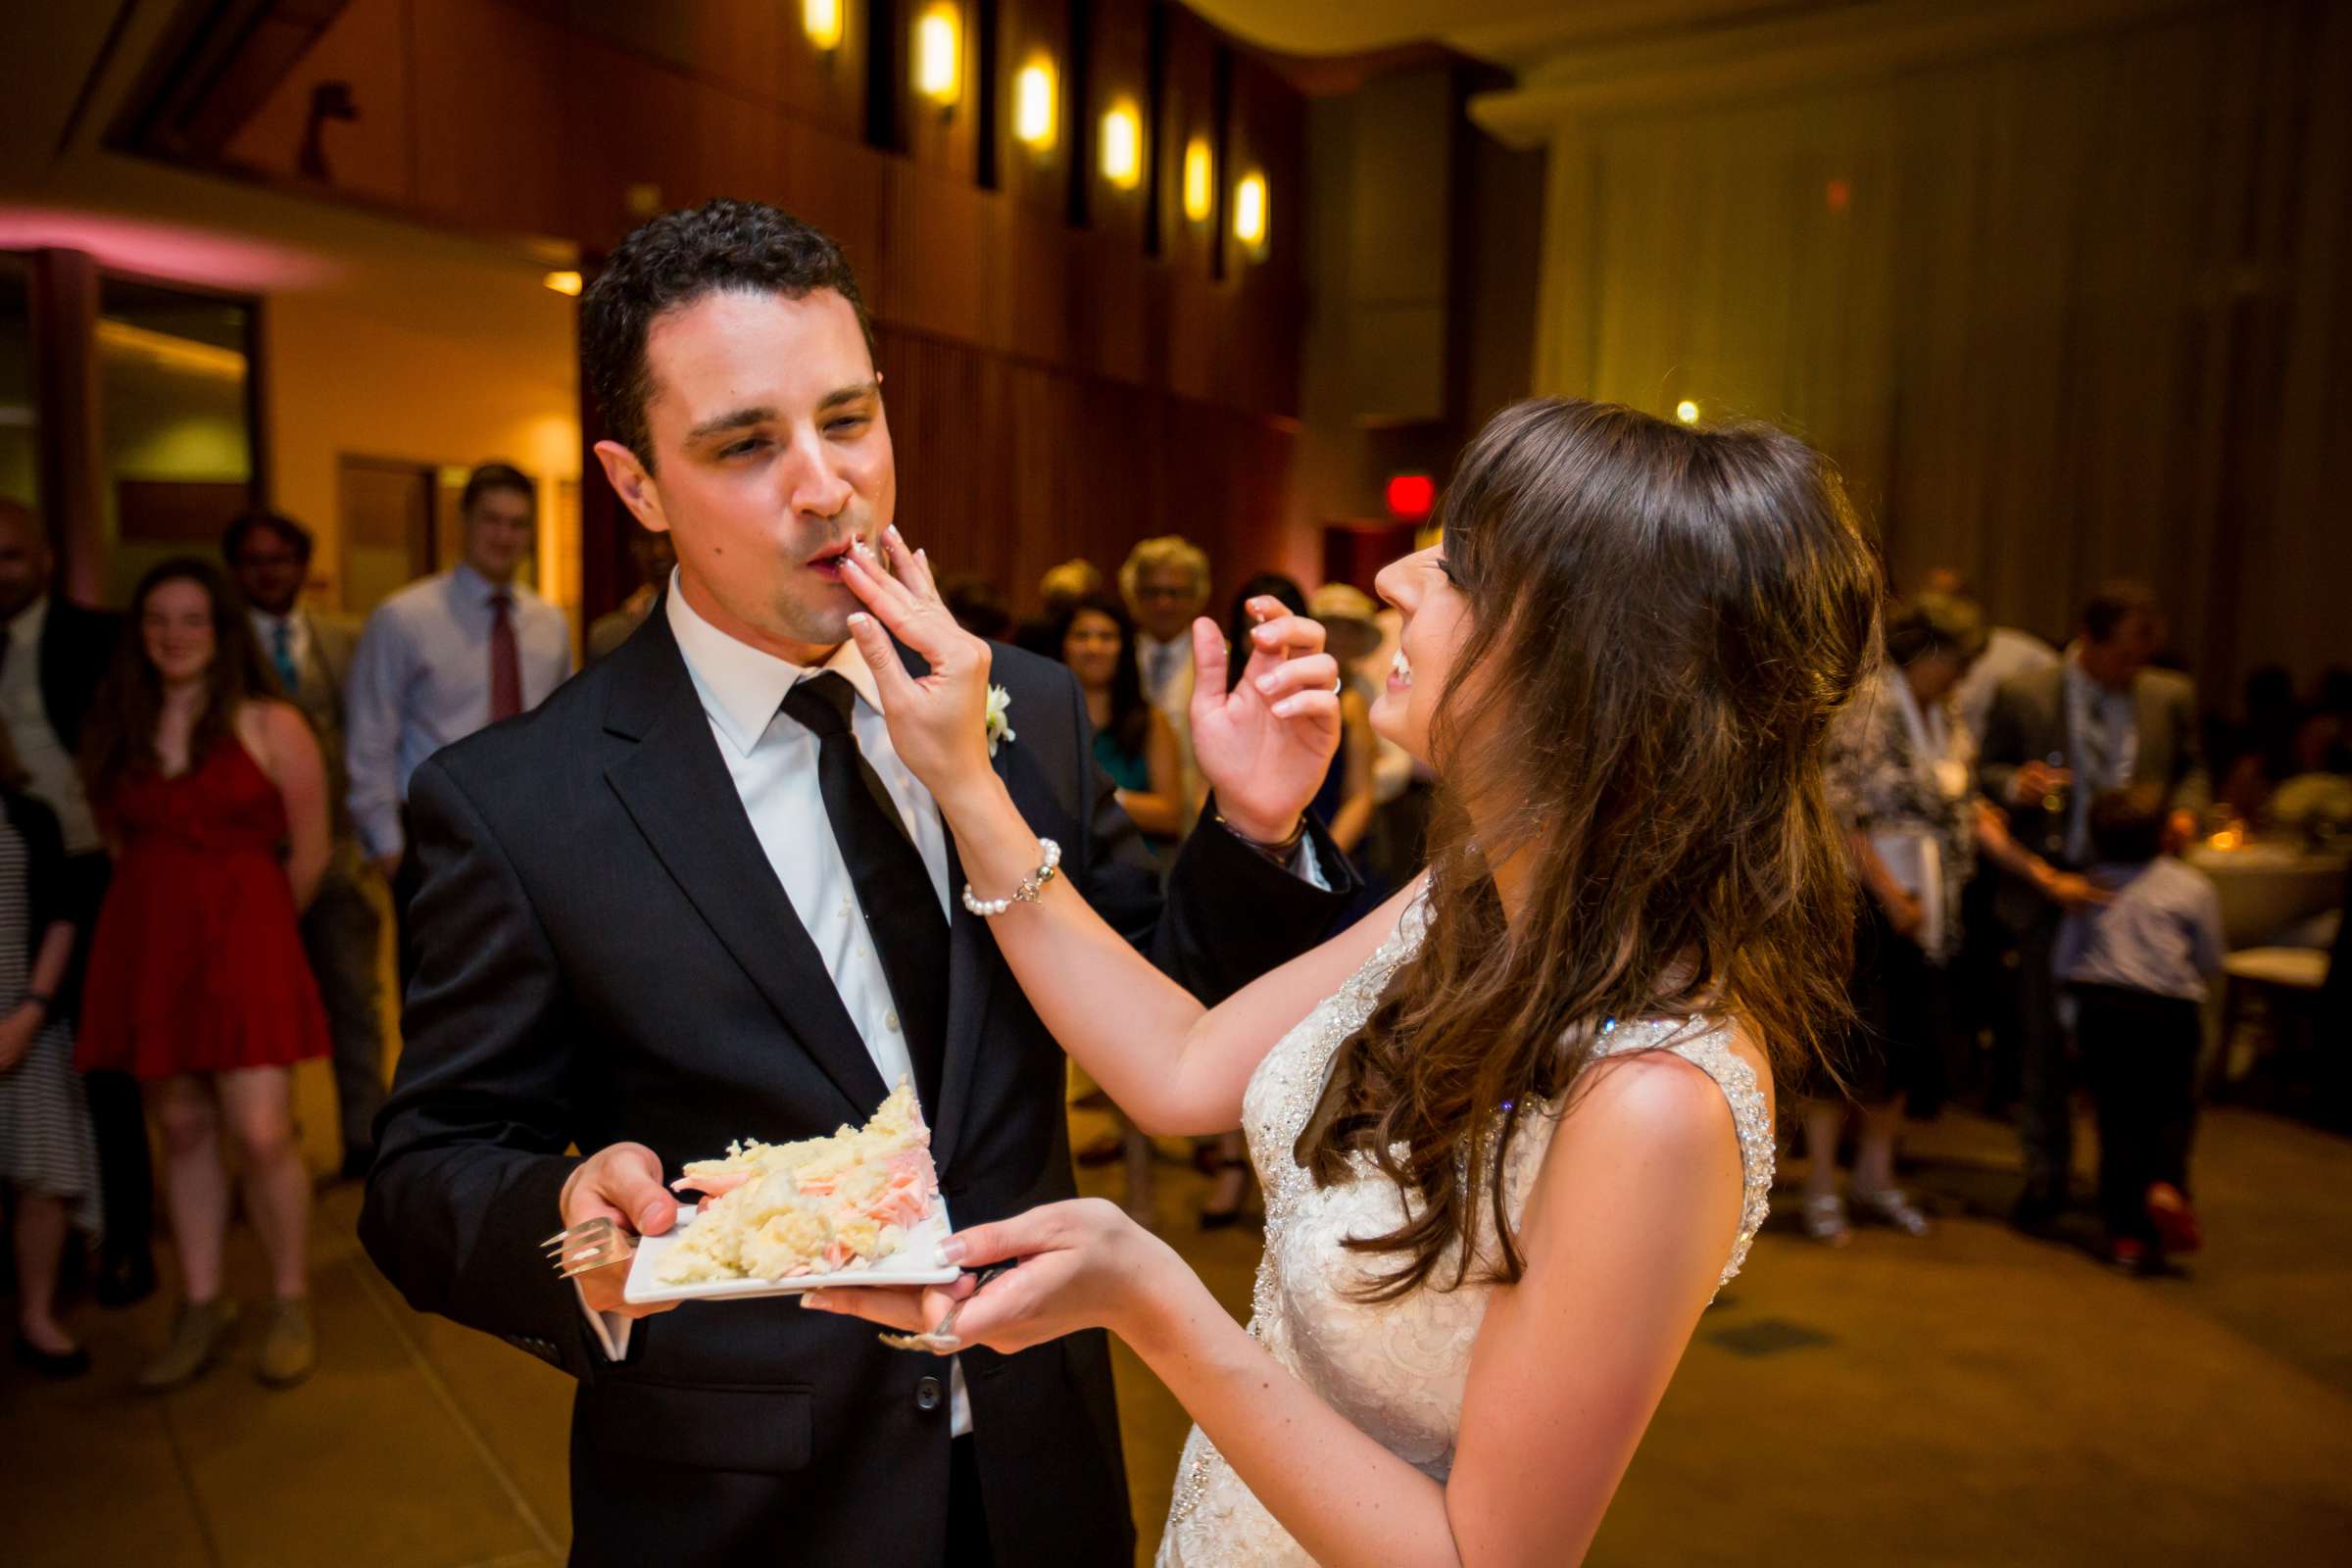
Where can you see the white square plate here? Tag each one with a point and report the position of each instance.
(910, 1264)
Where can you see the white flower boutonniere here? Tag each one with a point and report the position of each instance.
(1000, 724)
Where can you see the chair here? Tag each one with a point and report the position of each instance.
(2306, 995)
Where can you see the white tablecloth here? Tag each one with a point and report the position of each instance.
(2268, 888)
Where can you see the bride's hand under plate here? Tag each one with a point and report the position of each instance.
(1083, 1264)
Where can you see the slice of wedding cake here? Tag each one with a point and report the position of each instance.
(821, 1205)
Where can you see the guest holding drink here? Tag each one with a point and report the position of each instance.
(213, 797)
(1896, 766)
(2102, 719)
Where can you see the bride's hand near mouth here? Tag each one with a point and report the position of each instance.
(938, 720)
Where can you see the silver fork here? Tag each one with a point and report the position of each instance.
(942, 1339)
(591, 1243)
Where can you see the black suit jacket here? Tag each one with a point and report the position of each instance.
(605, 954)
(78, 649)
(2030, 723)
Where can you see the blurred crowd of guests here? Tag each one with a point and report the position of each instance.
(2028, 926)
(203, 820)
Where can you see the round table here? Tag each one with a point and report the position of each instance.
(2268, 888)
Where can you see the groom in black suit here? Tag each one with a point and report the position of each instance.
(695, 897)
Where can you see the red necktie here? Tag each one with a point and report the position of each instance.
(505, 660)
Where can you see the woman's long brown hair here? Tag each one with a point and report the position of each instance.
(118, 738)
(1662, 621)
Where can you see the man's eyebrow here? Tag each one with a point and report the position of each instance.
(732, 420)
(850, 394)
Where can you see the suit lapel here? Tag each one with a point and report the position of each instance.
(973, 965)
(676, 789)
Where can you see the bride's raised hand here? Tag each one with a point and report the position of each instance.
(1265, 743)
(938, 720)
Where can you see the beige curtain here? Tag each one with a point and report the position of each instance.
(2076, 310)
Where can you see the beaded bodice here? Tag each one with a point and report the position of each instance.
(1396, 1369)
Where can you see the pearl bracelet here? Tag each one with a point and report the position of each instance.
(1029, 892)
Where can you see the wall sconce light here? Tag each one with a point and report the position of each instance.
(1122, 147)
(1686, 411)
(820, 19)
(1250, 212)
(1033, 106)
(939, 54)
(563, 282)
(1199, 180)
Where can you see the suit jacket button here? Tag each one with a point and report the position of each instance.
(928, 1395)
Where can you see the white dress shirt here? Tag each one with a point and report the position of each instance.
(772, 760)
(1163, 666)
(421, 681)
(55, 781)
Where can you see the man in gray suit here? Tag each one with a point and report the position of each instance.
(269, 555)
(2102, 719)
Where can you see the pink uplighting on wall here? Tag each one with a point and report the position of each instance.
(163, 251)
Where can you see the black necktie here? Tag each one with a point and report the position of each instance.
(902, 918)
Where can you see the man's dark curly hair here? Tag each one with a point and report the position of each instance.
(675, 260)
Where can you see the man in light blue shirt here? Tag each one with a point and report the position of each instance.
(445, 657)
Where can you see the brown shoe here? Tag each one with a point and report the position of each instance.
(197, 1340)
(287, 1350)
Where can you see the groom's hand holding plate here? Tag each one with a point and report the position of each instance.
(621, 1183)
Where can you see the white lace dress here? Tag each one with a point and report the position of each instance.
(1395, 1369)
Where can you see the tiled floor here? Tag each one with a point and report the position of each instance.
(1974, 1398)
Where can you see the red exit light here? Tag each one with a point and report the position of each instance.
(1411, 496)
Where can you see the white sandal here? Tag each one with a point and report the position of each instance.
(1825, 1220)
(1890, 1205)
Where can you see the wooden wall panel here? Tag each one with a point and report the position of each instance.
(826, 87)
(1030, 30)
(946, 139)
(490, 118)
(1118, 72)
(1188, 109)
(1070, 365)
(1108, 319)
(1007, 466)
(941, 254)
(628, 126)
(1266, 135)
(839, 184)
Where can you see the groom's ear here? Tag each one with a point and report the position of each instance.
(636, 488)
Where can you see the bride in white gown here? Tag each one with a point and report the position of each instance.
(1490, 1118)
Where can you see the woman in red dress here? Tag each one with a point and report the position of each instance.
(213, 796)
